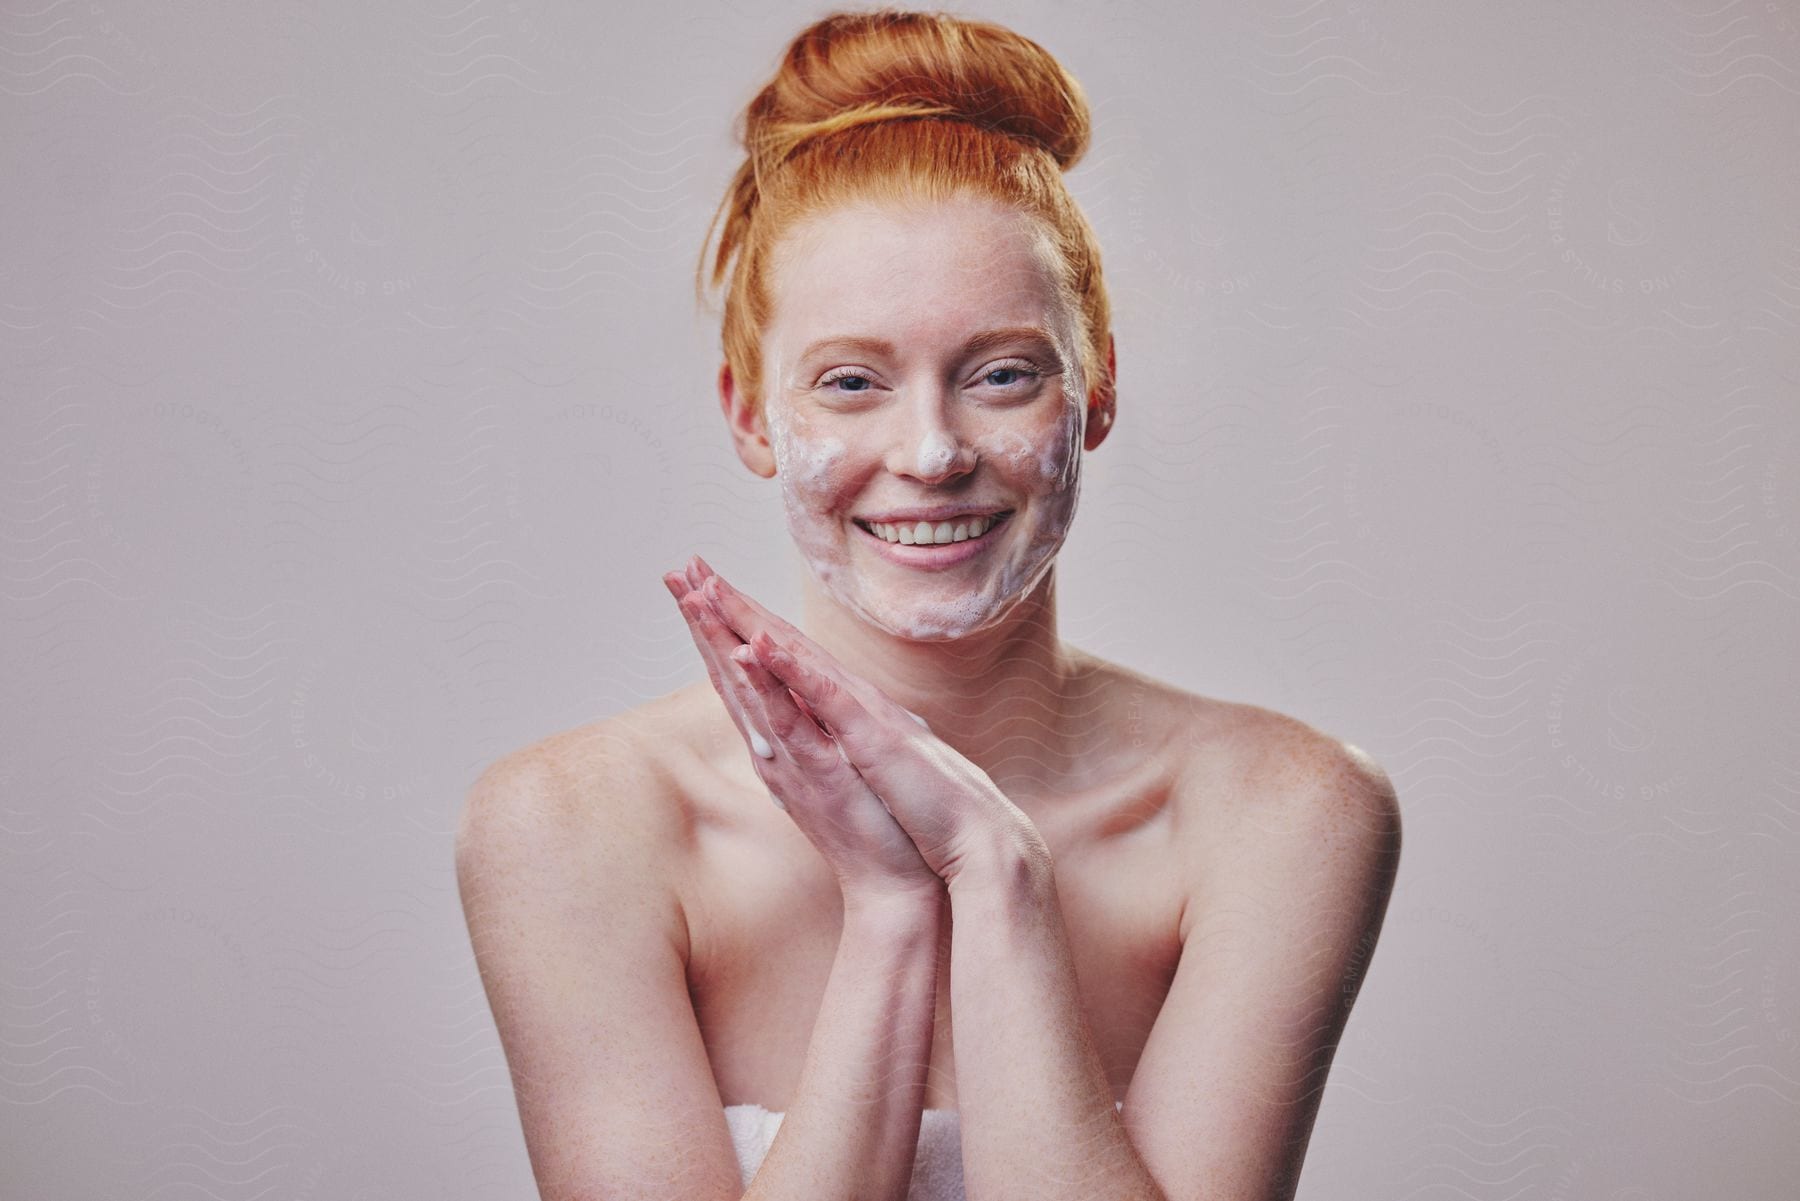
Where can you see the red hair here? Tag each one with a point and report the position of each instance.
(902, 107)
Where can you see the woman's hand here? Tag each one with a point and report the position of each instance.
(954, 813)
(871, 855)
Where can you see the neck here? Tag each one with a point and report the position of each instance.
(1000, 697)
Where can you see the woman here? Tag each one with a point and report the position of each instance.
(1105, 931)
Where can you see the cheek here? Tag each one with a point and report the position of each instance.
(1047, 455)
(812, 467)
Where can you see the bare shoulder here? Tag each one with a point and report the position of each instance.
(603, 770)
(569, 870)
(1303, 773)
(619, 767)
(1292, 805)
(1282, 756)
(1237, 769)
(600, 795)
(1152, 718)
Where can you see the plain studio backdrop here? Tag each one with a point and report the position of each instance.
(354, 401)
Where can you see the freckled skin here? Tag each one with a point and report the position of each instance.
(1138, 791)
(930, 425)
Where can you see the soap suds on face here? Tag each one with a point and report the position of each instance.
(804, 464)
(932, 605)
(833, 461)
(937, 454)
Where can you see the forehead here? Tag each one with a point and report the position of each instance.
(948, 264)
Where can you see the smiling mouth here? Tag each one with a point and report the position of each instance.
(943, 533)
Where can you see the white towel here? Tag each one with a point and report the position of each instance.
(937, 1165)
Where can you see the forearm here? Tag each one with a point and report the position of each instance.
(852, 1128)
(1037, 1113)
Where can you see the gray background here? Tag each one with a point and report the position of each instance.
(354, 401)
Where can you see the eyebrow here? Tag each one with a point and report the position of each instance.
(985, 340)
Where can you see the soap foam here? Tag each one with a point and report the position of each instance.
(818, 489)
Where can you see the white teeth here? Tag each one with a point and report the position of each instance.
(924, 533)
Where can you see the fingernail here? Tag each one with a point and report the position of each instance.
(918, 719)
(761, 746)
(778, 803)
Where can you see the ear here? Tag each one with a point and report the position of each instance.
(747, 428)
(1102, 402)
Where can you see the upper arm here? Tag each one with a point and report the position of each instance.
(577, 932)
(1288, 902)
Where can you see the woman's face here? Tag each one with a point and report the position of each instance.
(920, 367)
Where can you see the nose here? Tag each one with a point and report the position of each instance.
(930, 447)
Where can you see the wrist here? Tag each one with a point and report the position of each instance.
(1009, 866)
(896, 911)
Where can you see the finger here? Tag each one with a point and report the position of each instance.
(807, 709)
(747, 710)
(676, 583)
(716, 639)
(813, 656)
(694, 610)
(713, 642)
(787, 726)
(757, 726)
(762, 707)
(810, 759)
(745, 617)
(742, 613)
(861, 733)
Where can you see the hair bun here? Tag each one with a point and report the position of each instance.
(852, 69)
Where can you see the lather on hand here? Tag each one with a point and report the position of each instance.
(837, 744)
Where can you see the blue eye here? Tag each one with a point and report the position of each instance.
(842, 375)
(1024, 372)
